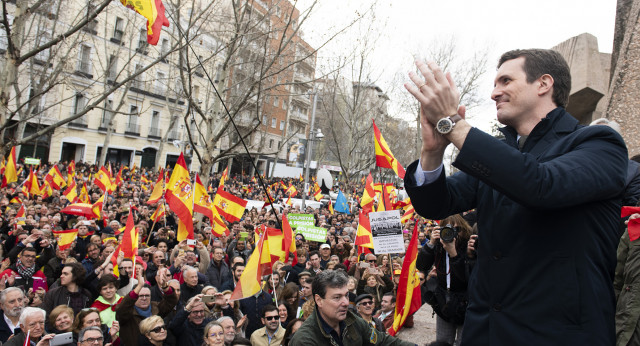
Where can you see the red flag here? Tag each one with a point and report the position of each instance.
(384, 157)
(289, 245)
(153, 11)
(180, 198)
(633, 227)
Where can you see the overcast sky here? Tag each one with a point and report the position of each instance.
(495, 26)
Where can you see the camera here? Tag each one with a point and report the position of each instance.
(448, 233)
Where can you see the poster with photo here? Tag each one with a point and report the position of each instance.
(387, 232)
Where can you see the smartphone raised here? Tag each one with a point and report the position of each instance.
(208, 298)
(39, 283)
(61, 339)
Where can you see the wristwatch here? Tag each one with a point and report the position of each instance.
(445, 125)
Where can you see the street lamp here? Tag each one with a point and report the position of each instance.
(312, 137)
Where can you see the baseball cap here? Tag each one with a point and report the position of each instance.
(325, 246)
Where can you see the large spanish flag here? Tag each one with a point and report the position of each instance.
(180, 198)
(259, 264)
(84, 194)
(10, 171)
(55, 178)
(129, 244)
(103, 179)
(229, 206)
(71, 192)
(368, 195)
(153, 11)
(408, 299)
(65, 238)
(202, 201)
(364, 237)
(384, 157)
(158, 189)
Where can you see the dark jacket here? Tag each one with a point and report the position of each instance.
(627, 289)
(357, 332)
(5, 331)
(252, 308)
(547, 220)
(187, 292)
(188, 333)
(129, 317)
(218, 274)
(17, 340)
(62, 296)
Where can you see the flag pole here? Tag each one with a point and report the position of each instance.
(275, 294)
(383, 188)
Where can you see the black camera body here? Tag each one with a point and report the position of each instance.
(448, 233)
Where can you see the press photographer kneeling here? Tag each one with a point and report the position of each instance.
(447, 281)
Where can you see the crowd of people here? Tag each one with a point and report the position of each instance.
(172, 292)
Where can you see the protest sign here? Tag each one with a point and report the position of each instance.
(387, 232)
(296, 220)
(312, 233)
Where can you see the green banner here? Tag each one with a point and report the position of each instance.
(31, 161)
(311, 233)
(296, 220)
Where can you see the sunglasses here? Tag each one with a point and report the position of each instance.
(271, 318)
(158, 329)
(371, 261)
(368, 302)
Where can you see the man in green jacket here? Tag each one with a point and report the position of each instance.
(332, 323)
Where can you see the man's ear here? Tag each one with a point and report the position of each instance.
(545, 84)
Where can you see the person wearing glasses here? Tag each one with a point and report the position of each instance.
(91, 336)
(154, 333)
(189, 323)
(213, 334)
(137, 305)
(32, 323)
(272, 333)
(27, 266)
(364, 307)
(374, 282)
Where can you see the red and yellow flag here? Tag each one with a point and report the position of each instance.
(10, 171)
(219, 227)
(103, 179)
(224, 176)
(364, 237)
(408, 299)
(84, 194)
(291, 191)
(202, 201)
(229, 206)
(31, 186)
(71, 169)
(288, 243)
(71, 192)
(259, 264)
(21, 216)
(384, 157)
(158, 214)
(55, 178)
(158, 189)
(97, 207)
(153, 11)
(408, 213)
(129, 244)
(180, 198)
(330, 206)
(368, 195)
(65, 238)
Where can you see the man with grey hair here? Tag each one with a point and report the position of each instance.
(332, 322)
(90, 335)
(229, 328)
(190, 287)
(32, 323)
(12, 301)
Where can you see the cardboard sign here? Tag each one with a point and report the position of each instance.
(312, 233)
(296, 220)
(387, 232)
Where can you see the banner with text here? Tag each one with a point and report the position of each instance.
(296, 220)
(312, 233)
(387, 232)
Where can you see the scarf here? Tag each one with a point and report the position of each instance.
(25, 272)
(144, 313)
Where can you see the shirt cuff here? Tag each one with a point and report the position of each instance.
(426, 177)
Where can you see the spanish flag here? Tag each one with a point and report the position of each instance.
(55, 178)
(21, 216)
(229, 206)
(224, 176)
(65, 238)
(158, 214)
(364, 238)
(15, 199)
(158, 189)
(153, 11)
(292, 191)
(330, 206)
(45, 190)
(71, 192)
(259, 264)
(180, 198)
(408, 213)
(71, 169)
(119, 179)
(103, 179)
(368, 195)
(31, 186)
(219, 227)
(288, 244)
(84, 194)
(408, 299)
(10, 171)
(202, 201)
(384, 157)
(129, 244)
(97, 207)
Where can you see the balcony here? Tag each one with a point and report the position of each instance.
(299, 116)
(104, 125)
(302, 98)
(154, 133)
(173, 135)
(132, 129)
(79, 123)
(84, 69)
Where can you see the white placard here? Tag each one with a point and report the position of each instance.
(387, 232)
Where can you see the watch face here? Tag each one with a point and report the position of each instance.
(444, 125)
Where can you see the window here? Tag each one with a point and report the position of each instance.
(107, 113)
(284, 105)
(80, 103)
(264, 119)
(270, 143)
(164, 47)
(155, 124)
(159, 85)
(281, 125)
(276, 101)
(118, 30)
(142, 41)
(84, 63)
(273, 123)
(112, 67)
(132, 121)
(138, 81)
(196, 92)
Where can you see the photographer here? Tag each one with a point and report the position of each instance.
(447, 291)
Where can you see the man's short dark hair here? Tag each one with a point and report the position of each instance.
(328, 279)
(314, 252)
(538, 62)
(268, 308)
(390, 294)
(28, 249)
(236, 265)
(77, 271)
(106, 280)
(308, 280)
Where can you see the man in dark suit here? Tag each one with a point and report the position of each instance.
(548, 200)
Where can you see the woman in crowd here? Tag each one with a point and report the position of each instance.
(283, 312)
(382, 263)
(211, 305)
(213, 334)
(153, 332)
(108, 299)
(292, 328)
(374, 283)
(60, 319)
(290, 294)
(90, 317)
